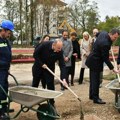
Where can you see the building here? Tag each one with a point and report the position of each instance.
(50, 16)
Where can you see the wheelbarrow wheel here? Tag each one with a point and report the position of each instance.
(47, 112)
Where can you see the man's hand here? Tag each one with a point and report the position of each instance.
(86, 54)
(118, 67)
(66, 59)
(44, 66)
(65, 83)
(116, 71)
(75, 55)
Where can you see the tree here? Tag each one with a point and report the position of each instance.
(93, 17)
(20, 11)
(31, 17)
(111, 22)
(11, 9)
(26, 21)
(84, 14)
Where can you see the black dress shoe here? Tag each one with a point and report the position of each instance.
(90, 98)
(79, 83)
(99, 101)
(62, 88)
(72, 84)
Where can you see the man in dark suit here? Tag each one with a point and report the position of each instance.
(46, 54)
(95, 60)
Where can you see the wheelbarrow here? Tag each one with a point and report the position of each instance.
(114, 86)
(29, 97)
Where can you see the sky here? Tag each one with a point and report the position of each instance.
(106, 7)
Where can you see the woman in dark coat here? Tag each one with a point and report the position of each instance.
(75, 55)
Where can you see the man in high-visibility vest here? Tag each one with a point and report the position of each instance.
(6, 28)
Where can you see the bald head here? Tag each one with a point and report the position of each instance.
(95, 31)
(57, 45)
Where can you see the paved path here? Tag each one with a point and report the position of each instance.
(23, 72)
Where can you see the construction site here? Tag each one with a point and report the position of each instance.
(34, 19)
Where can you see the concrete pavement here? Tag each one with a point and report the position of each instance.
(23, 72)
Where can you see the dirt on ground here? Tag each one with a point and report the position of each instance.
(68, 105)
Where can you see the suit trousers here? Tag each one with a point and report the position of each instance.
(94, 85)
(46, 77)
(80, 81)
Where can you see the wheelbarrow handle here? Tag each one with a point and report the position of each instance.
(14, 78)
(63, 83)
(115, 63)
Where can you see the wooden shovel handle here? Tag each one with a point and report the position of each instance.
(63, 83)
(115, 63)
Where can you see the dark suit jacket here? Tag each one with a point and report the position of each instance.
(118, 59)
(100, 53)
(44, 54)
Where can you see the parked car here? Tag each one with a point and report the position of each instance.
(36, 40)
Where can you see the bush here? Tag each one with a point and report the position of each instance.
(117, 43)
(21, 56)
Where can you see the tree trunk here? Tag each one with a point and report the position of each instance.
(32, 20)
(26, 22)
(20, 9)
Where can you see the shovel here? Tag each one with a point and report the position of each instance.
(118, 76)
(81, 109)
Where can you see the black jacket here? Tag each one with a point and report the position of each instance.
(118, 59)
(76, 48)
(5, 54)
(100, 53)
(44, 54)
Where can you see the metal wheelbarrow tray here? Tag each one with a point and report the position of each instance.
(30, 96)
(114, 86)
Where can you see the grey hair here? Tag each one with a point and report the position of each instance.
(57, 40)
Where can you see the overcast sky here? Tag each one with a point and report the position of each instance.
(106, 7)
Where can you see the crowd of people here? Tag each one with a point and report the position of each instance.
(92, 50)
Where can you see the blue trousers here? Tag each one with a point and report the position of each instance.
(4, 84)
